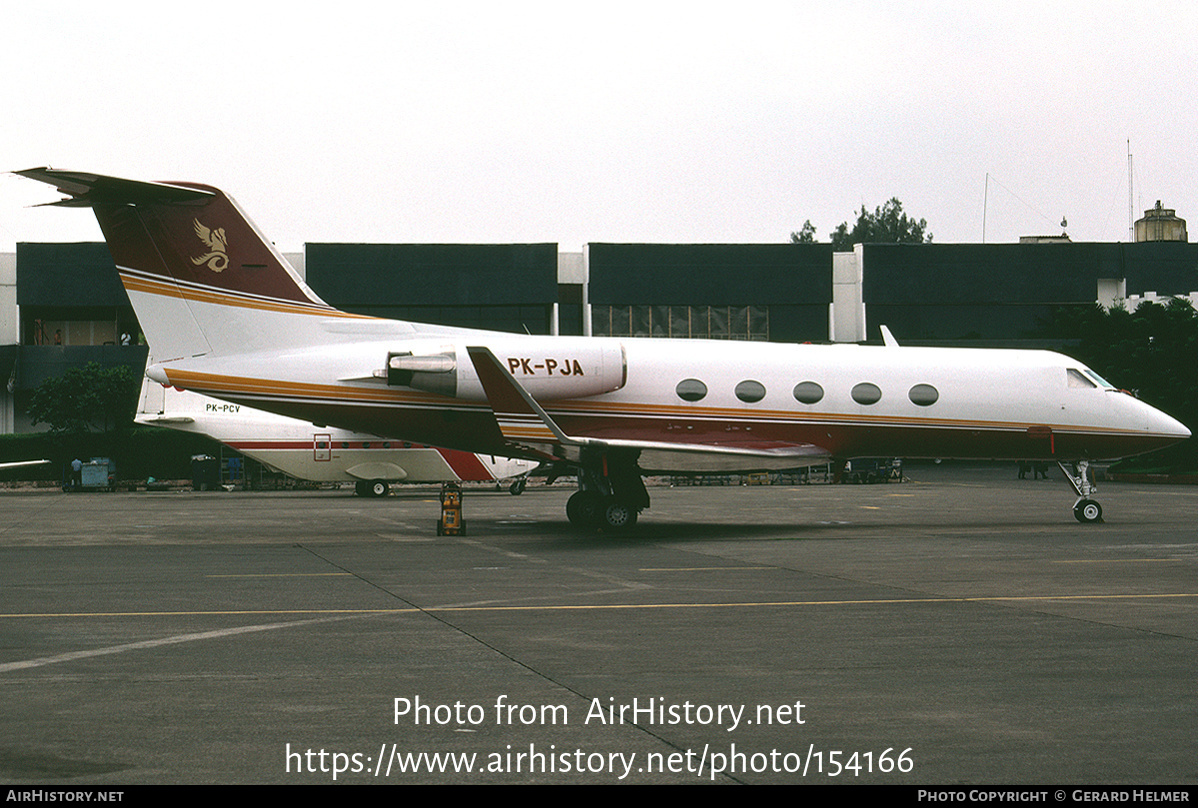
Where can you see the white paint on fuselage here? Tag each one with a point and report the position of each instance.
(1010, 389)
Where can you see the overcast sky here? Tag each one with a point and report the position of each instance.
(575, 122)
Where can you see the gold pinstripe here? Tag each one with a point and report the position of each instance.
(208, 382)
(218, 298)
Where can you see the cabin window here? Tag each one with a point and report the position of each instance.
(691, 390)
(749, 391)
(1079, 380)
(923, 395)
(808, 392)
(867, 393)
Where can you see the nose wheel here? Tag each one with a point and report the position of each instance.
(1086, 510)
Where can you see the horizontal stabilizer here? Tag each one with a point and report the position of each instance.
(86, 190)
(165, 419)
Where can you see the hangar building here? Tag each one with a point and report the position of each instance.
(62, 306)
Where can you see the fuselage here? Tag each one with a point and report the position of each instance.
(838, 401)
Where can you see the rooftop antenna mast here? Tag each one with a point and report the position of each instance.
(985, 200)
(1131, 205)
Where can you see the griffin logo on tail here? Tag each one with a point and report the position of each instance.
(217, 258)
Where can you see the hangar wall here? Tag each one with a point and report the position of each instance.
(504, 287)
(1009, 292)
(62, 306)
(778, 292)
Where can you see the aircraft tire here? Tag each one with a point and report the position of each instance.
(618, 516)
(360, 489)
(583, 509)
(1087, 511)
(517, 488)
(378, 488)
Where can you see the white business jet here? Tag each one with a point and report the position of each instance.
(226, 316)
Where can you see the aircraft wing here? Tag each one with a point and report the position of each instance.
(526, 426)
(22, 463)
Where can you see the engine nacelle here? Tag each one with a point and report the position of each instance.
(549, 368)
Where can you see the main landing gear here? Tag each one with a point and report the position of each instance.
(610, 496)
(371, 488)
(1085, 509)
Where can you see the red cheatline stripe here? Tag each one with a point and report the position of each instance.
(466, 465)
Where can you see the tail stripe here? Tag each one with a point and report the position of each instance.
(149, 283)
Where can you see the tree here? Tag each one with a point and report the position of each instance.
(806, 235)
(92, 398)
(1152, 351)
(886, 225)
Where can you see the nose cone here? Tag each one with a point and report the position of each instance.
(1160, 430)
(1166, 426)
(1139, 428)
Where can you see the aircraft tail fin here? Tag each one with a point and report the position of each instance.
(201, 276)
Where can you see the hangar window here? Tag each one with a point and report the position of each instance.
(749, 391)
(923, 395)
(867, 393)
(695, 322)
(808, 392)
(691, 390)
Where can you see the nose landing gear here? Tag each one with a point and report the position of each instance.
(1086, 509)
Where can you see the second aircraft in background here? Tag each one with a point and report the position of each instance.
(322, 454)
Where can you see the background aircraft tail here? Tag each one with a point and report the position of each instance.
(200, 275)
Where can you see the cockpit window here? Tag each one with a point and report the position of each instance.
(1101, 382)
(1079, 380)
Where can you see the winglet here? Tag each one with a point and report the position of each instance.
(519, 416)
